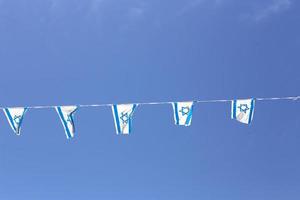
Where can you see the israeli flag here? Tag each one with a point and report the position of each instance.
(15, 118)
(242, 110)
(123, 117)
(183, 112)
(66, 114)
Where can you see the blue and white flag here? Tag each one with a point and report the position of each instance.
(183, 112)
(15, 118)
(66, 114)
(242, 110)
(123, 117)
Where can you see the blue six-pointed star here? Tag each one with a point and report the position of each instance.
(17, 119)
(184, 110)
(124, 117)
(69, 119)
(243, 108)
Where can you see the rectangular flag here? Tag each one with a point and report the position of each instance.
(15, 118)
(183, 112)
(123, 117)
(242, 110)
(66, 114)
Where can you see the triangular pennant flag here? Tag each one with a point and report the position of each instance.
(15, 118)
(242, 110)
(123, 117)
(66, 114)
(183, 112)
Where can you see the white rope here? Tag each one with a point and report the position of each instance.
(293, 98)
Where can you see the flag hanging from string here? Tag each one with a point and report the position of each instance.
(242, 110)
(66, 115)
(183, 112)
(123, 117)
(15, 118)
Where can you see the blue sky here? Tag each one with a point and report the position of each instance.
(57, 52)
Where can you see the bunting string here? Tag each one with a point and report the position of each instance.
(242, 110)
(293, 98)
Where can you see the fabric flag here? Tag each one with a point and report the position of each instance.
(123, 117)
(242, 110)
(15, 118)
(66, 114)
(183, 112)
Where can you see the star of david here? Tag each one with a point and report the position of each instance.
(184, 110)
(243, 108)
(69, 119)
(17, 119)
(124, 117)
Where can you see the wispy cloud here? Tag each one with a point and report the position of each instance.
(136, 12)
(275, 7)
(189, 6)
(133, 16)
(96, 5)
(132, 11)
(193, 4)
(54, 4)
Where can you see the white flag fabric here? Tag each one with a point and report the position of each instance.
(242, 110)
(15, 118)
(183, 112)
(66, 114)
(123, 117)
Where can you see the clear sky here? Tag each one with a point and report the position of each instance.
(56, 52)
